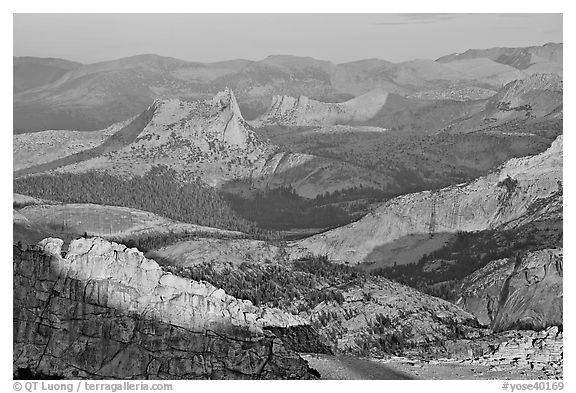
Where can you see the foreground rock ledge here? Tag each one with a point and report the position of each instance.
(105, 311)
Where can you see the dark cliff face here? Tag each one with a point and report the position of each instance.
(301, 338)
(61, 329)
(525, 293)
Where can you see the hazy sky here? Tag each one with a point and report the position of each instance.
(336, 37)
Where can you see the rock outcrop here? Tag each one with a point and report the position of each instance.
(206, 138)
(41, 147)
(110, 222)
(533, 350)
(105, 311)
(205, 250)
(517, 294)
(218, 119)
(306, 112)
(531, 97)
(311, 175)
(522, 190)
(513, 90)
(383, 317)
(469, 93)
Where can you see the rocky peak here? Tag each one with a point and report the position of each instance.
(557, 146)
(157, 103)
(218, 118)
(234, 131)
(227, 101)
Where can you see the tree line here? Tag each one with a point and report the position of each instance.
(297, 286)
(468, 252)
(158, 191)
(283, 209)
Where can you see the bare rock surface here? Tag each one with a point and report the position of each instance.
(384, 317)
(107, 221)
(36, 148)
(522, 190)
(235, 251)
(508, 294)
(184, 134)
(538, 96)
(512, 355)
(535, 96)
(457, 94)
(303, 111)
(538, 352)
(20, 201)
(105, 311)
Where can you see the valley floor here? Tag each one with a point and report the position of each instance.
(354, 368)
(350, 367)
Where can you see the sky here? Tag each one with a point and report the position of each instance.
(339, 38)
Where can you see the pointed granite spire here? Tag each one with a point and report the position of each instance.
(226, 98)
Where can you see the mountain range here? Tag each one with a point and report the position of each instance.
(176, 219)
(206, 139)
(60, 94)
(210, 140)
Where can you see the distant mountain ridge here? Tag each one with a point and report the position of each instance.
(58, 94)
(538, 96)
(455, 109)
(33, 72)
(520, 58)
